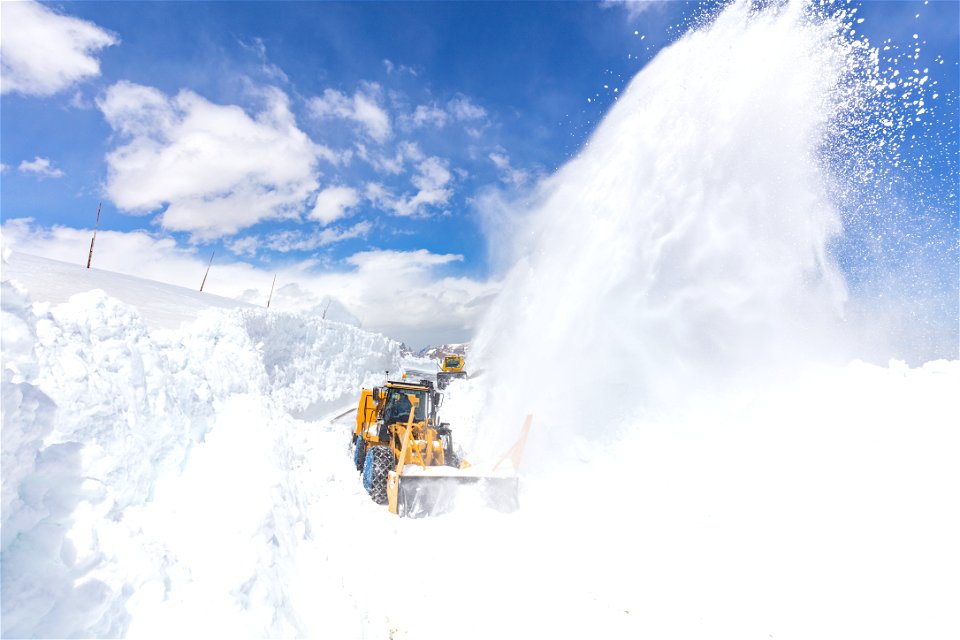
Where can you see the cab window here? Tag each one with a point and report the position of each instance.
(397, 408)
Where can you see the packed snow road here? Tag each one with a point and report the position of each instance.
(473, 573)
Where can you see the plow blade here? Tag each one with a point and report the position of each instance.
(434, 490)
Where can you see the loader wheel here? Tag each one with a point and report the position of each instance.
(359, 453)
(376, 465)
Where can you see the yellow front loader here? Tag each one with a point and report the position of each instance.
(451, 368)
(407, 459)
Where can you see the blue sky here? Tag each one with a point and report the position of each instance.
(316, 139)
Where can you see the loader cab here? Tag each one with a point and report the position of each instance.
(452, 363)
(396, 405)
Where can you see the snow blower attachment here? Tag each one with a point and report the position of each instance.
(408, 461)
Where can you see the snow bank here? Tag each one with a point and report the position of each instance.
(148, 476)
(42, 485)
(311, 365)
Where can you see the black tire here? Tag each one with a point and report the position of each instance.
(450, 459)
(359, 452)
(377, 464)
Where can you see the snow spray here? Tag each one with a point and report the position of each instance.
(686, 246)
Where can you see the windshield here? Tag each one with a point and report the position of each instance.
(397, 408)
(452, 362)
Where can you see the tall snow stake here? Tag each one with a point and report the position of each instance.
(270, 297)
(208, 271)
(94, 238)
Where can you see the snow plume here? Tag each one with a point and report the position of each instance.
(688, 243)
(149, 481)
(674, 322)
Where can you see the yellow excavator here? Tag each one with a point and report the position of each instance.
(408, 461)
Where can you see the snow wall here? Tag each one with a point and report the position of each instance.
(101, 416)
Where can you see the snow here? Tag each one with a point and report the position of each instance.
(704, 461)
(149, 474)
(160, 305)
(157, 484)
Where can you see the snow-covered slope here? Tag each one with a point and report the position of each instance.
(160, 305)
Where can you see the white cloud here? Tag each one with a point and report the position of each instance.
(79, 101)
(508, 174)
(40, 167)
(633, 7)
(410, 151)
(332, 204)
(401, 263)
(216, 168)
(398, 293)
(271, 71)
(246, 246)
(431, 180)
(405, 152)
(459, 109)
(43, 52)
(462, 108)
(4, 168)
(362, 108)
(429, 115)
(286, 241)
(393, 68)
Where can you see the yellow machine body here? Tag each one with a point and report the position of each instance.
(452, 362)
(451, 368)
(407, 459)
